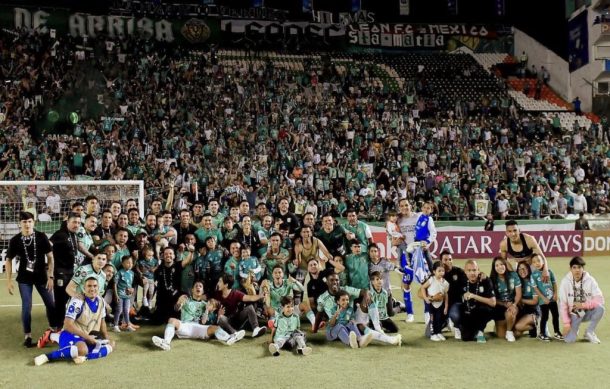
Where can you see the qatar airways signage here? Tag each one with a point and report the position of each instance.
(481, 245)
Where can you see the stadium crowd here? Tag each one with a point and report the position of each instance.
(328, 138)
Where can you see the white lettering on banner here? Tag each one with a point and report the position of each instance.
(598, 243)
(559, 243)
(119, 26)
(25, 19)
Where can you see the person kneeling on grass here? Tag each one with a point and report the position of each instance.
(581, 300)
(195, 313)
(82, 317)
(288, 332)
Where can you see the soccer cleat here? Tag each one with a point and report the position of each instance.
(510, 336)
(591, 337)
(457, 334)
(28, 342)
(397, 340)
(481, 337)
(161, 343)
(44, 339)
(410, 318)
(305, 351)
(558, 336)
(258, 331)
(365, 340)
(353, 339)
(41, 360)
(544, 338)
(274, 349)
(79, 360)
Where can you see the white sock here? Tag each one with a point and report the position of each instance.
(382, 337)
(221, 335)
(311, 317)
(54, 337)
(170, 331)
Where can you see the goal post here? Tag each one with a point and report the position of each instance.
(50, 201)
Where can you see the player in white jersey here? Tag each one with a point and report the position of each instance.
(83, 316)
(195, 314)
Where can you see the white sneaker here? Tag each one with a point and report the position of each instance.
(510, 336)
(591, 337)
(441, 337)
(365, 340)
(426, 317)
(258, 331)
(435, 338)
(457, 334)
(450, 323)
(79, 360)
(410, 318)
(41, 359)
(305, 351)
(353, 340)
(116, 329)
(397, 340)
(239, 335)
(274, 349)
(161, 343)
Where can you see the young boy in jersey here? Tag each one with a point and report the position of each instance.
(147, 265)
(194, 316)
(250, 271)
(342, 326)
(287, 330)
(124, 290)
(208, 266)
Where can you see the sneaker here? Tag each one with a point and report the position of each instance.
(441, 337)
(258, 331)
(544, 338)
(410, 318)
(232, 340)
(353, 339)
(365, 340)
(591, 337)
(41, 360)
(28, 342)
(435, 338)
(457, 334)
(239, 335)
(274, 349)
(450, 324)
(558, 336)
(116, 329)
(305, 351)
(481, 337)
(44, 339)
(510, 336)
(130, 329)
(426, 318)
(161, 343)
(79, 360)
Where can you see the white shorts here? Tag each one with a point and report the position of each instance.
(192, 331)
(361, 317)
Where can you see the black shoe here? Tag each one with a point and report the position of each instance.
(28, 342)
(533, 333)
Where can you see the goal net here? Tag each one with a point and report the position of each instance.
(50, 202)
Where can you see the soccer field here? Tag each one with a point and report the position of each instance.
(418, 363)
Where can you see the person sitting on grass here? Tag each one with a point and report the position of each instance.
(507, 287)
(287, 333)
(83, 316)
(581, 300)
(194, 321)
(341, 324)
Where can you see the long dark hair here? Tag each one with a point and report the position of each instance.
(495, 276)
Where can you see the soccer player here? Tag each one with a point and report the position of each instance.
(521, 246)
(83, 316)
(195, 315)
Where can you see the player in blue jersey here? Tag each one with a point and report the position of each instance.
(83, 316)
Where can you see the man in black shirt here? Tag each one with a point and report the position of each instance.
(184, 227)
(31, 247)
(287, 216)
(65, 250)
(168, 277)
(317, 282)
(478, 300)
(456, 278)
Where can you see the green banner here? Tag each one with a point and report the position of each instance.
(193, 30)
